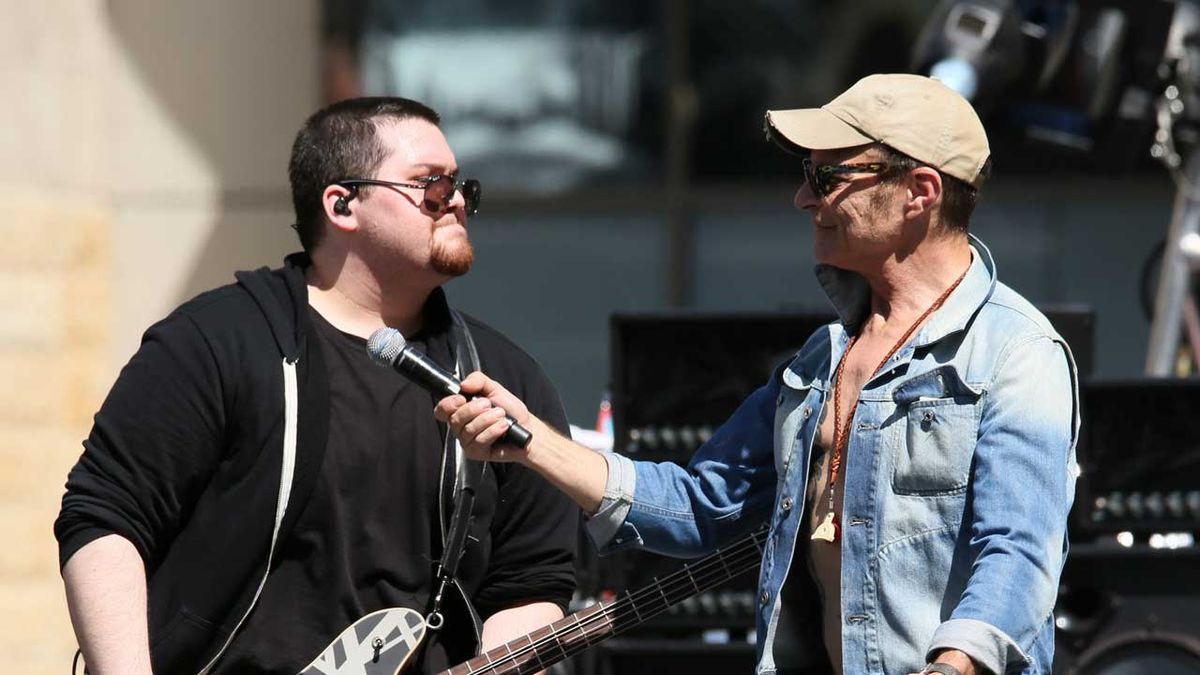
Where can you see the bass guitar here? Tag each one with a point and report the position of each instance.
(383, 642)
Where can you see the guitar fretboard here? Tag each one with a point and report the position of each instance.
(572, 634)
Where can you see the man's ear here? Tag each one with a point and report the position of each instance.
(924, 191)
(337, 202)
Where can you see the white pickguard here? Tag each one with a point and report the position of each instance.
(380, 643)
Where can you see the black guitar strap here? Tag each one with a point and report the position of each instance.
(467, 476)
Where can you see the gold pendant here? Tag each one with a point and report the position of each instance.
(825, 531)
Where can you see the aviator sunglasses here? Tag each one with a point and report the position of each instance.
(438, 190)
(823, 178)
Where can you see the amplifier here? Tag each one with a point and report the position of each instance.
(1128, 610)
(655, 656)
(677, 376)
(1139, 457)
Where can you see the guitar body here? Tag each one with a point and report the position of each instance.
(380, 643)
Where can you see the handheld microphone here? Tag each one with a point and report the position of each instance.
(388, 347)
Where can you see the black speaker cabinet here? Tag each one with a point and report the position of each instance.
(677, 376)
(1139, 457)
(633, 656)
(1127, 611)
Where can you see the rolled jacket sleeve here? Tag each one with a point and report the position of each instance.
(725, 490)
(1021, 490)
(608, 523)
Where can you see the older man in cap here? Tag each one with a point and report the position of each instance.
(914, 459)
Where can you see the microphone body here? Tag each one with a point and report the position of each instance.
(388, 347)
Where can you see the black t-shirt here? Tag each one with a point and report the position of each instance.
(369, 536)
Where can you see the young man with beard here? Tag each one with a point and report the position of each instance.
(254, 483)
(914, 460)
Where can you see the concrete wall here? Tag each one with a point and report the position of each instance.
(143, 153)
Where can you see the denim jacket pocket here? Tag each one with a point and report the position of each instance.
(941, 424)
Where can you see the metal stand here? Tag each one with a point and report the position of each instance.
(1175, 310)
(1174, 307)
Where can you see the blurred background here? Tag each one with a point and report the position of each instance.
(634, 218)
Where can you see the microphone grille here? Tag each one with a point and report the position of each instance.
(385, 345)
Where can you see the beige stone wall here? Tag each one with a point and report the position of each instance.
(55, 306)
(53, 346)
(143, 150)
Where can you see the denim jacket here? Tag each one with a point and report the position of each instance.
(959, 476)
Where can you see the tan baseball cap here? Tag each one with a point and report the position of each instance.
(914, 114)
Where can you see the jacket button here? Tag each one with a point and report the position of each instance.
(786, 504)
(807, 412)
(766, 597)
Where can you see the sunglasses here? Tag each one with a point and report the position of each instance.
(438, 190)
(823, 178)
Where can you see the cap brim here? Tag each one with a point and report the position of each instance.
(814, 129)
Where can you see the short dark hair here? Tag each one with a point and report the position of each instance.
(339, 142)
(959, 198)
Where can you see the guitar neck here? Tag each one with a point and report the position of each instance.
(572, 634)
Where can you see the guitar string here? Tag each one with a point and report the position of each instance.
(612, 616)
(725, 563)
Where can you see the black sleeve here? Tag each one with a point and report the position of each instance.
(535, 530)
(152, 448)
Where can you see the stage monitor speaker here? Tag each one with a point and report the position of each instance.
(1128, 611)
(1076, 324)
(676, 376)
(1139, 458)
(633, 656)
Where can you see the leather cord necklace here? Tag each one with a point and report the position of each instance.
(830, 529)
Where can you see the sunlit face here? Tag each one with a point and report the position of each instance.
(858, 222)
(400, 231)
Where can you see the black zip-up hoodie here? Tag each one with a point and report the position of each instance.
(246, 406)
